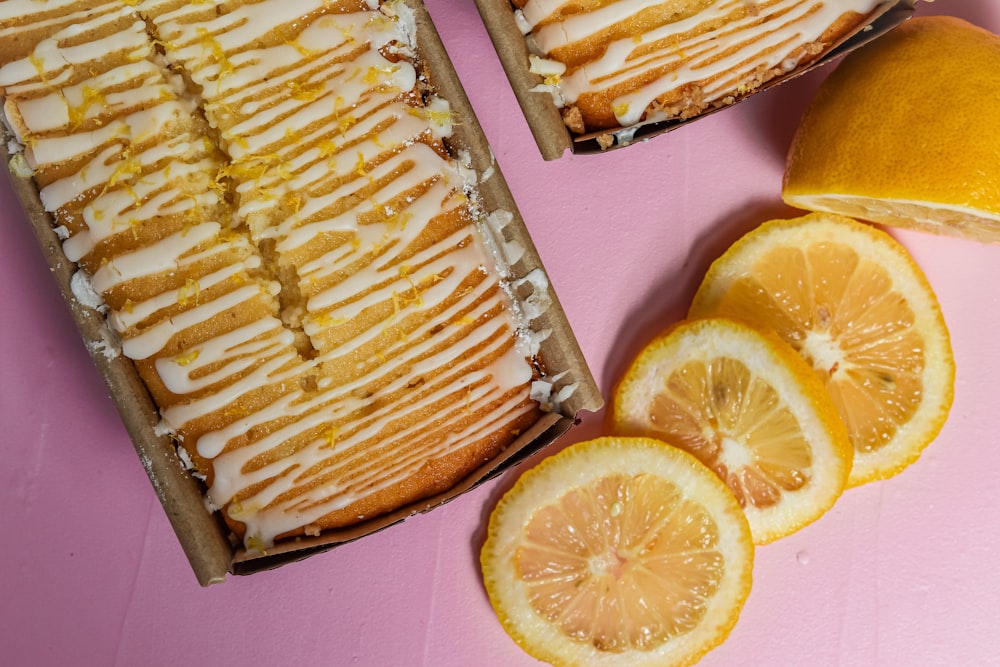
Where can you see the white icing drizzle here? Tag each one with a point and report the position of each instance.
(103, 167)
(338, 187)
(144, 83)
(152, 259)
(116, 211)
(241, 348)
(717, 48)
(152, 340)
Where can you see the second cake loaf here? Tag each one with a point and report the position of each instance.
(616, 63)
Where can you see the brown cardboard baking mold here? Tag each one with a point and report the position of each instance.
(202, 535)
(545, 120)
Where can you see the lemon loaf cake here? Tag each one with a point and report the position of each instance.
(263, 196)
(617, 63)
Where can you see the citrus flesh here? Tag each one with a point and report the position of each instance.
(746, 405)
(906, 132)
(618, 551)
(854, 304)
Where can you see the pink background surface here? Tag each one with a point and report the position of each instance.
(901, 572)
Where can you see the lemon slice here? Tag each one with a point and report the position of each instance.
(851, 300)
(618, 551)
(751, 409)
(906, 132)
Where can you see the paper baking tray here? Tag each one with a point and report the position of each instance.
(545, 119)
(202, 535)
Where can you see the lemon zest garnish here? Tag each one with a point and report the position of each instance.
(396, 307)
(39, 66)
(190, 291)
(330, 437)
(234, 411)
(77, 113)
(435, 116)
(211, 46)
(195, 212)
(294, 201)
(326, 148)
(345, 123)
(128, 166)
(301, 49)
(380, 75)
(188, 358)
(307, 92)
(325, 320)
(418, 298)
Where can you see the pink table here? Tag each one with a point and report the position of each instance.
(902, 572)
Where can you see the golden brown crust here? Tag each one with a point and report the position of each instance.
(432, 478)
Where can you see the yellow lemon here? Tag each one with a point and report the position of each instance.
(906, 132)
(618, 551)
(751, 409)
(852, 301)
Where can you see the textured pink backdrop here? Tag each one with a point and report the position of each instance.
(901, 572)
